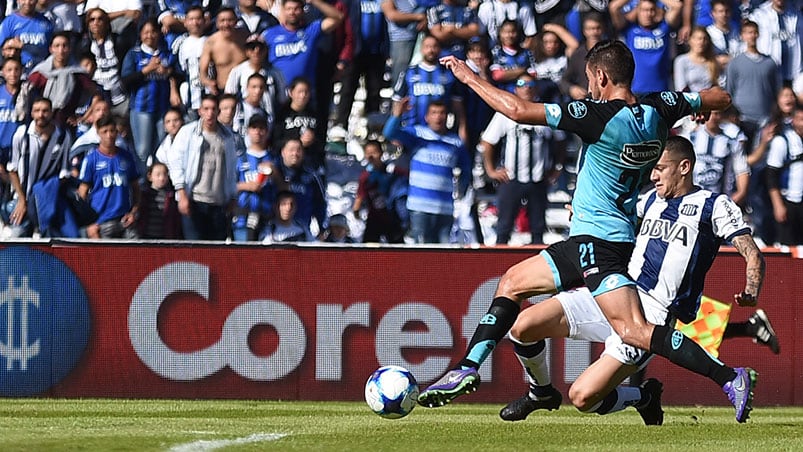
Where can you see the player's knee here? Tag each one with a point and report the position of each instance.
(633, 334)
(581, 398)
(508, 287)
(518, 332)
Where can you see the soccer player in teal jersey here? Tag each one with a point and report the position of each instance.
(622, 139)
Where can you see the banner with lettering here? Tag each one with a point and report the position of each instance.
(95, 319)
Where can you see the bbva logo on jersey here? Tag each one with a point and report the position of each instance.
(47, 321)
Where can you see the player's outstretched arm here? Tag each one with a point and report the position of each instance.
(714, 98)
(500, 100)
(754, 274)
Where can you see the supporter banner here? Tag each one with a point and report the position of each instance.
(84, 319)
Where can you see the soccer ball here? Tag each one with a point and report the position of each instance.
(391, 392)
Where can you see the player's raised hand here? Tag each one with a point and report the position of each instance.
(745, 299)
(458, 67)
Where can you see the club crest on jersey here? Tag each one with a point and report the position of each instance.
(577, 109)
(669, 97)
(640, 153)
(689, 210)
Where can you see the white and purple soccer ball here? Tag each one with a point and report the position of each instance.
(391, 392)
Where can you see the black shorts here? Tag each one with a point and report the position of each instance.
(587, 261)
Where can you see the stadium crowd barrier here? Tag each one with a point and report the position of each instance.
(201, 320)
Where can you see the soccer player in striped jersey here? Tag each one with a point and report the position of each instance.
(623, 137)
(682, 228)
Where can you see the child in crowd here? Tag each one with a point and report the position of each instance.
(374, 194)
(257, 183)
(338, 231)
(250, 106)
(110, 181)
(227, 110)
(97, 109)
(158, 211)
(89, 138)
(173, 120)
(297, 120)
(284, 227)
(257, 63)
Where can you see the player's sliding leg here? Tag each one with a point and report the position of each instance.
(622, 308)
(596, 390)
(530, 277)
(533, 325)
(757, 327)
(541, 395)
(575, 314)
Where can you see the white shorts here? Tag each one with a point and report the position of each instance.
(587, 322)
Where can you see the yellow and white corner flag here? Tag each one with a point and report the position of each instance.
(709, 326)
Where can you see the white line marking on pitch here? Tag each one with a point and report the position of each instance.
(207, 445)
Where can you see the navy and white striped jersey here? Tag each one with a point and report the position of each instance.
(677, 243)
(528, 150)
(720, 159)
(621, 144)
(786, 154)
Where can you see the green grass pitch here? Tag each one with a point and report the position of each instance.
(189, 425)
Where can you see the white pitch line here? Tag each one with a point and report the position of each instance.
(207, 445)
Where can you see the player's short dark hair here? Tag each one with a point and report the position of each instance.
(680, 147)
(615, 59)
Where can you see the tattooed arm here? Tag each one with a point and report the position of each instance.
(754, 273)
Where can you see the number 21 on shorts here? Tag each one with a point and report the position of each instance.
(587, 254)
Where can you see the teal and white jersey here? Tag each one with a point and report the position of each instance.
(621, 144)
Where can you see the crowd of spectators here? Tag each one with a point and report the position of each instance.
(212, 120)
